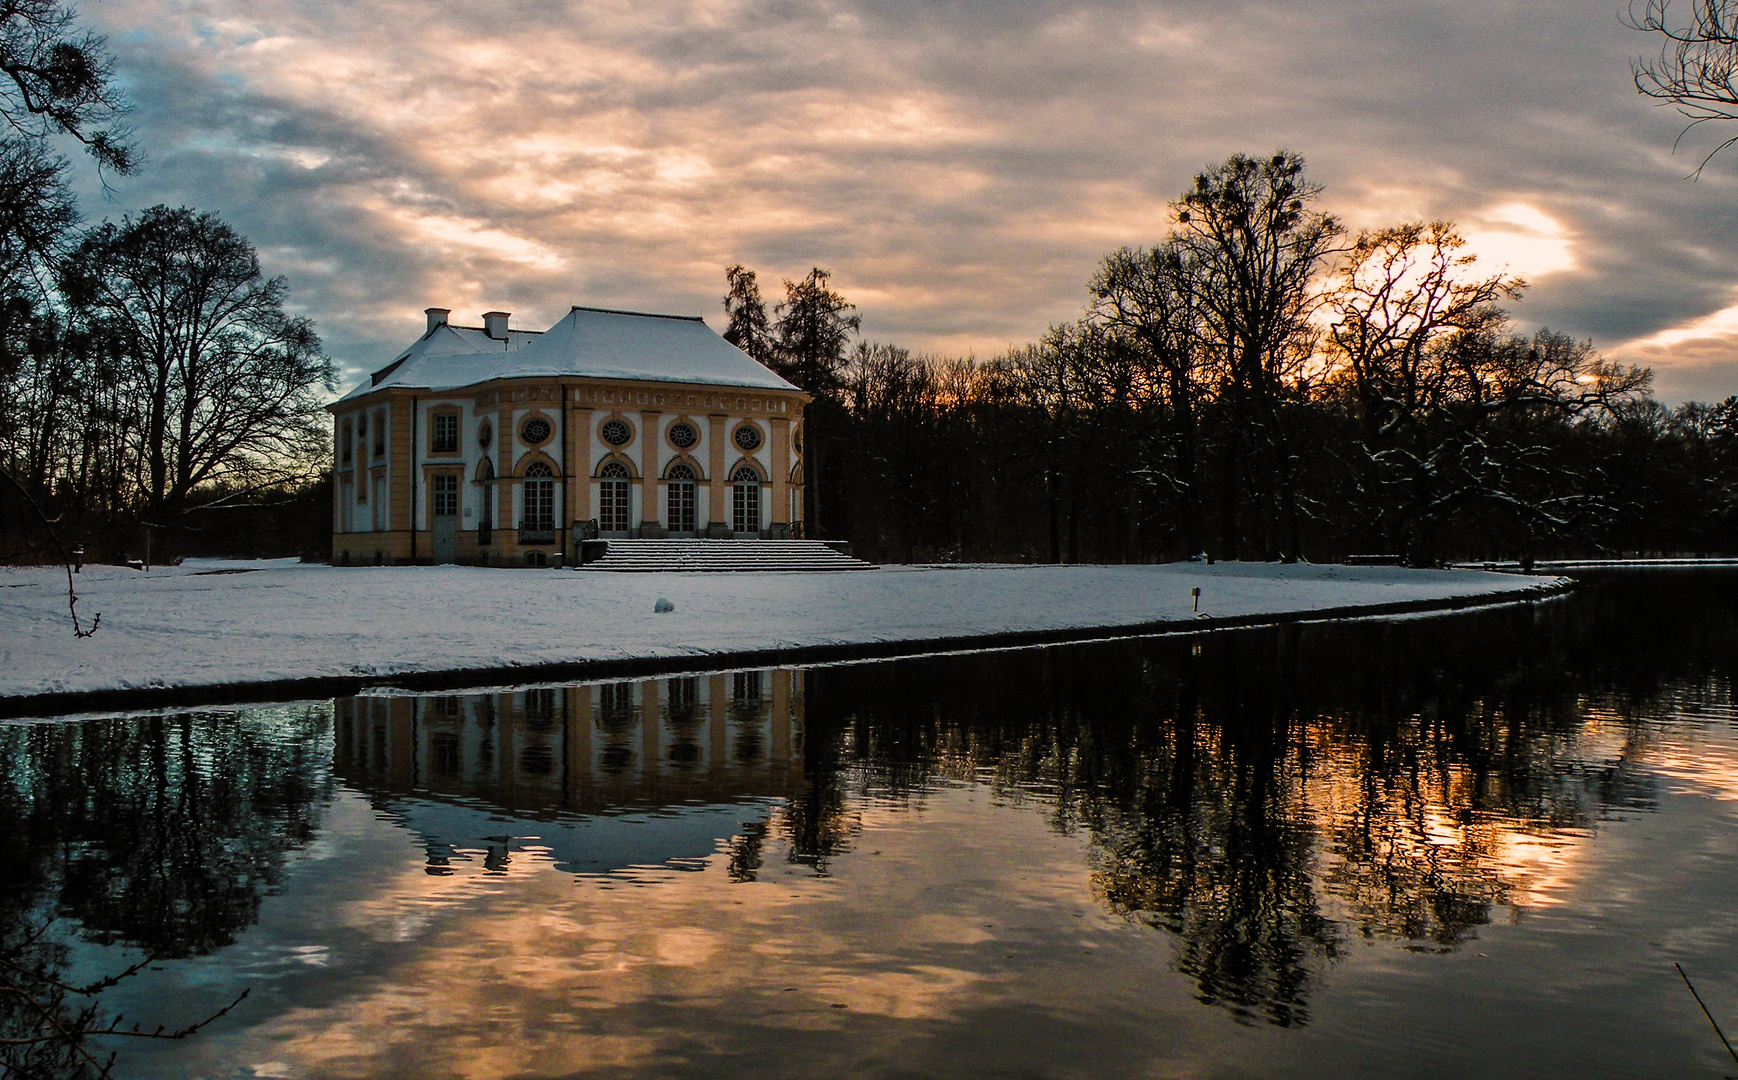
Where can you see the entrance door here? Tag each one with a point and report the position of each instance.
(444, 501)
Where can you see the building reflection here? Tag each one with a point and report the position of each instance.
(677, 753)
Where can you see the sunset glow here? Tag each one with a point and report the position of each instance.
(959, 170)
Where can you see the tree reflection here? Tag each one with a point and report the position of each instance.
(160, 834)
(1268, 795)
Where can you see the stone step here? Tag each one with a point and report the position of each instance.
(721, 556)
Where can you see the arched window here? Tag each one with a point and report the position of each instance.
(745, 501)
(679, 495)
(539, 495)
(612, 510)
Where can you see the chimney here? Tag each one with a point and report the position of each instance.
(437, 316)
(495, 324)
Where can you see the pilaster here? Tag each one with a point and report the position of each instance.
(717, 509)
(650, 438)
(780, 453)
(578, 463)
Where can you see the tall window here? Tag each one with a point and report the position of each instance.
(612, 511)
(346, 442)
(539, 497)
(379, 436)
(485, 492)
(445, 497)
(745, 500)
(444, 433)
(680, 496)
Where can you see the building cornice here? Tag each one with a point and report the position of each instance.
(593, 392)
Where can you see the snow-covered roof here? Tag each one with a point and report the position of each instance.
(594, 342)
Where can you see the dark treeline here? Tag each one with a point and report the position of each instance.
(1259, 385)
(148, 370)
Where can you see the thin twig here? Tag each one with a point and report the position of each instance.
(1705, 1012)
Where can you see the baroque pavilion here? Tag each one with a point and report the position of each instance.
(498, 446)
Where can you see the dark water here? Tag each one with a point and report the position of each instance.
(1468, 846)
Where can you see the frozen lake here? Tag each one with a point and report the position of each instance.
(1467, 845)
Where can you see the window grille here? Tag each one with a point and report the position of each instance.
(615, 706)
(445, 498)
(536, 430)
(616, 432)
(680, 497)
(613, 498)
(747, 438)
(745, 500)
(539, 497)
(444, 431)
(540, 704)
(684, 694)
(747, 686)
(682, 436)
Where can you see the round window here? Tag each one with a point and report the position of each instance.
(616, 432)
(536, 430)
(682, 436)
(747, 437)
(485, 434)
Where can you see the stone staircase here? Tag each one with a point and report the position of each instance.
(715, 556)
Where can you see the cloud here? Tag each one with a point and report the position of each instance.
(959, 166)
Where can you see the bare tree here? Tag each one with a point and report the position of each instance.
(1696, 71)
(56, 78)
(1252, 228)
(59, 79)
(225, 378)
(1399, 292)
(1150, 301)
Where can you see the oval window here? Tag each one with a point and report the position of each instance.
(536, 430)
(485, 434)
(616, 432)
(747, 438)
(682, 436)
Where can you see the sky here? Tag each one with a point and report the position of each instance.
(960, 167)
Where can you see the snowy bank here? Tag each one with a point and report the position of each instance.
(283, 626)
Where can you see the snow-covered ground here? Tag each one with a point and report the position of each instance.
(211, 622)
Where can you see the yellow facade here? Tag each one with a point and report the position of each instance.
(433, 457)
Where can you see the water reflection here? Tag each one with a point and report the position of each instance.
(158, 837)
(1268, 796)
(910, 840)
